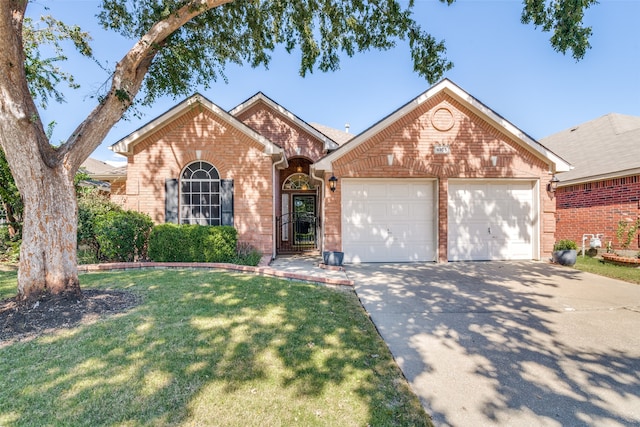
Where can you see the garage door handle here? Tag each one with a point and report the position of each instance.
(489, 230)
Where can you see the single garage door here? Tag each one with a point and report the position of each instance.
(491, 220)
(388, 220)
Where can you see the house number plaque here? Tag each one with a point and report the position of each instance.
(441, 149)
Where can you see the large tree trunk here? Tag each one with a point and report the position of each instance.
(43, 173)
(48, 260)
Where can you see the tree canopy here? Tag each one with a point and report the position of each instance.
(181, 44)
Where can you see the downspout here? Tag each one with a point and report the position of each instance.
(274, 185)
(313, 176)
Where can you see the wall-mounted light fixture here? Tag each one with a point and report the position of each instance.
(390, 159)
(552, 186)
(333, 181)
(494, 160)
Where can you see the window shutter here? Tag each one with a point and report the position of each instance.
(171, 201)
(226, 201)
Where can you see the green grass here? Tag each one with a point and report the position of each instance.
(596, 266)
(209, 348)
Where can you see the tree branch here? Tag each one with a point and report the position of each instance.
(126, 83)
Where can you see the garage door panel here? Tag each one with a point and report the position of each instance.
(395, 220)
(490, 221)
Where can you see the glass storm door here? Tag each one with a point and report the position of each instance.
(304, 223)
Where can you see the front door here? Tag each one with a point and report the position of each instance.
(304, 220)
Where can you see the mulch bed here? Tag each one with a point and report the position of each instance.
(20, 321)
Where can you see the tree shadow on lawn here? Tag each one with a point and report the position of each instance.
(210, 348)
(507, 343)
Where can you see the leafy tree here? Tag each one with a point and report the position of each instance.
(182, 43)
(10, 199)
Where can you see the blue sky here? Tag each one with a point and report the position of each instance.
(509, 66)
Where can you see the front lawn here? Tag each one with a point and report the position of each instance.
(597, 266)
(208, 348)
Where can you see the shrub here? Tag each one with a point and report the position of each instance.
(192, 243)
(565, 245)
(9, 247)
(123, 235)
(248, 255)
(92, 207)
(625, 235)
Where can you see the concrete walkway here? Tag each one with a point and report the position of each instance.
(510, 343)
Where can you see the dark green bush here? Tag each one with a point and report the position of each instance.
(92, 206)
(192, 243)
(123, 235)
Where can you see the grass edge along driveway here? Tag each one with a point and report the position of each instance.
(209, 348)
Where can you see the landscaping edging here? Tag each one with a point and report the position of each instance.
(262, 270)
(620, 260)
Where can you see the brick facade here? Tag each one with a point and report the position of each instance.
(411, 140)
(283, 131)
(598, 207)
(248, 148)
(201, 135)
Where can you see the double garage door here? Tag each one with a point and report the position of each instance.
(395, 220)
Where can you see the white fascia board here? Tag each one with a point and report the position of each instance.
(329, 144)
(601, 177)
(125, 145)
(560, 165)
(447, 86)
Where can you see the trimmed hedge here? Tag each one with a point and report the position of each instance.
(193, 243)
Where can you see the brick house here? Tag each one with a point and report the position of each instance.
(442, 178)
(604, 186)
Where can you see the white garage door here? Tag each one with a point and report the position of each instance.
(491, 221)
(388, 220)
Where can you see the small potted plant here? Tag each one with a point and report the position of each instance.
(565, 252)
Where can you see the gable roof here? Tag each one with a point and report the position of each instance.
(447, 86)
(102, 171)
(606, 147)
(329, 143)
(126, 144)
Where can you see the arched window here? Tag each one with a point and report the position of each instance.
(298, 181)
(200, 194)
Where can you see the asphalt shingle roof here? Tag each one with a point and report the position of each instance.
(605, 147)
(98, 168)
(336, 135)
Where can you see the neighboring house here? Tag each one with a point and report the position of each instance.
(103, 175)
(442, 178)
(604, 186)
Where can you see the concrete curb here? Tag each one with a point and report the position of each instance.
(261, 270)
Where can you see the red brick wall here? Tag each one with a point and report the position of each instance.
(282, 131)
(598, 207)
(201, 135)
(411, 140)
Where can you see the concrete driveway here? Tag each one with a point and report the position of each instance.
(510, 343)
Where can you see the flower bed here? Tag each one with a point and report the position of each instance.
(621, 260)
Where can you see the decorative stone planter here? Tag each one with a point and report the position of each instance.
(332, 257)
(621, 260)
(566, 257)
